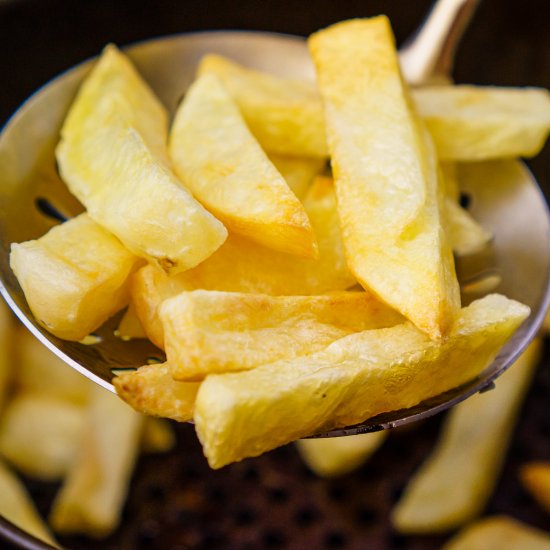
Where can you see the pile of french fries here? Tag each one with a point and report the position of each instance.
(55, 425)
(289, 298)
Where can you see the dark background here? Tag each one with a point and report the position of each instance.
(273, 502)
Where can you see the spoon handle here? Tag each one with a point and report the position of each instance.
(429, 56)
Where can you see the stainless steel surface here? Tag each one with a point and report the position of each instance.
(515, 209)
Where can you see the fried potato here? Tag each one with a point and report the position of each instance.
(17, 506)
(465, 234)
(467, 122)
(471, 123)
(284, 114)
(535, 477)
(500, 532)
(209, 332)
(130, 326)
(157, 436)
(243, 266)
(244, 414)
(6, 350)
(41, 371)
(298, 172)
(39, 434)
(386, 175)
(91, 498)
(230, 174)
(113, 157)
(74, 277)
(454, 484)
(152, 390)
(338, 456)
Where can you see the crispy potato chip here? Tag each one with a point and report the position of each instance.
(338, 456)
(41, 371)
(113, 157)
(471, 449)
(244, 414)
(449, 179)
(386, 175)
(17, 506)
(500, 532)
(213, 332)
(91, 498)
(230, 174)
(284, 114)
(152, 390)
(74, 277)
(39, 434)
(471, 123)
(535, 477)
(298, 172)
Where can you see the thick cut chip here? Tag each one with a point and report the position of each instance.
(386, 175)
(284, 114)
(113, 157)
(130, 326)
(220, 161)
(16, 505)
(337, 456)
(244, 414)
(39, 434)
(470, 123)
(213, 332)
(535, 477)
(502, 532)
(93, 494)
(152, 390)
(472, 448)
(241, 265)
(74, 277)
(299, 172)
(466, 235)
(6, 359)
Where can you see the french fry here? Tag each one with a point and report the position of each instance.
(39, 371)
(209, 332)
(243, 266)
(467, 122)
(386, 175)
(285, 115)
(130, 326)
(454, 484)
(152, 390)
(6, 359)
(113, 157)
(74, 277)
(338, 456)
(243, 414)
(535, 477)
(465, 234)
(231, 175)
(39, 434)
(502, 532)
(91, 498)
(16, 506)
(470, 123)
(157, 436)
(298, 172)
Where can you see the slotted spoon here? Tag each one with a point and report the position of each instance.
(33, 198)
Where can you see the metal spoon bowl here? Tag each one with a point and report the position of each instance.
(33, 199)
